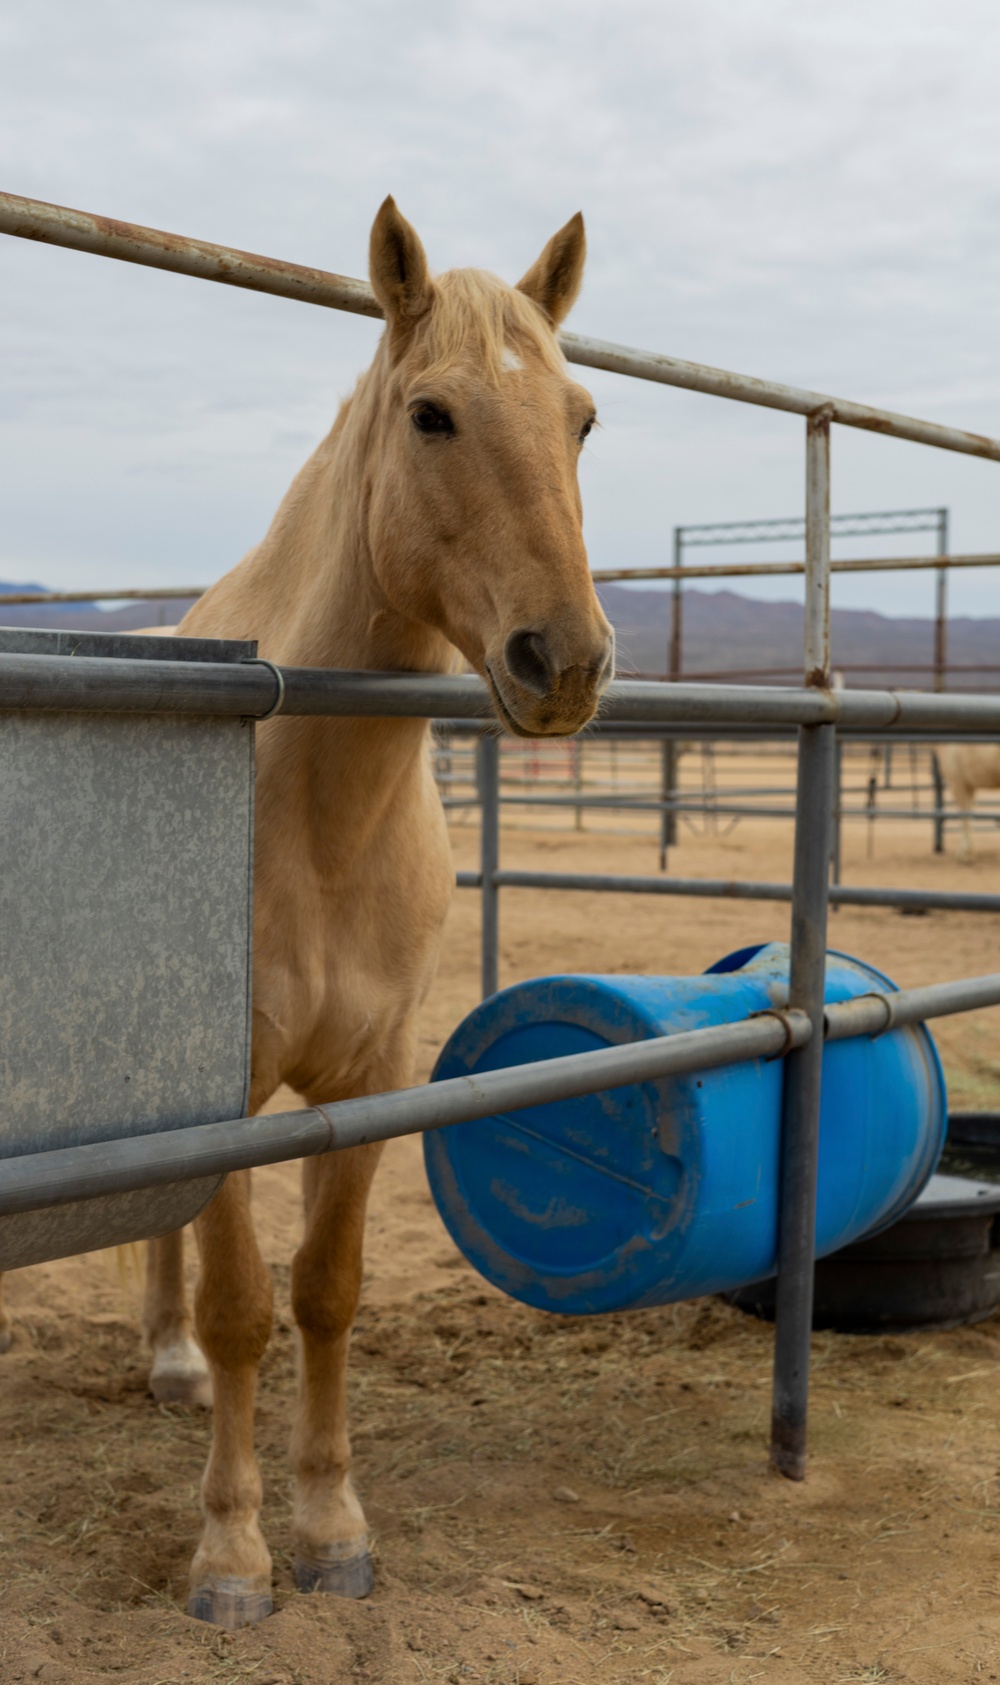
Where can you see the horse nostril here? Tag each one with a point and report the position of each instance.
(606, 670)
(527, 657)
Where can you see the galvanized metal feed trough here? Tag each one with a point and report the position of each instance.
(125, 924)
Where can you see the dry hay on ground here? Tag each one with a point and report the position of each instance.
(554, 1500)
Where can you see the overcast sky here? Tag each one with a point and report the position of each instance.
(808, 193)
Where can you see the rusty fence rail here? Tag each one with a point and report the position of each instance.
(82, 231)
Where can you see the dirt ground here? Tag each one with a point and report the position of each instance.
(553, 1500)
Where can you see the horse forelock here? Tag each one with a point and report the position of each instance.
(477, 320)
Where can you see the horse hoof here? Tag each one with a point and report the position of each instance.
(340, 1570)
(230, 1604)
(180, 1376)
(193, 1390)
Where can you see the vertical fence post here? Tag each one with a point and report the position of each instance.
(668, 786)
(938, 803)
(675, 654)
(804, 1067)
(675, 666)
(576, 750)
(488, 769)
(940, 670)
(836, 850)
(941, 608)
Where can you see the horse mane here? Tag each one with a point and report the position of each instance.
(475, 312)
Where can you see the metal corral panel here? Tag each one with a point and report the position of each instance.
(125, 925)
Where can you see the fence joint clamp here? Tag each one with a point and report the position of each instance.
(279, 700)
(790, 1020)
(885, 1001)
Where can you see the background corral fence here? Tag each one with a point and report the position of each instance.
(879, 776)
(645, 775)
(89, 685)
(783, 530)
(643, 772)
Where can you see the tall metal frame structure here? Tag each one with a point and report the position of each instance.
(783, 530)
(792, 529)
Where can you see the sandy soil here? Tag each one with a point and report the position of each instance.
(553, 1500)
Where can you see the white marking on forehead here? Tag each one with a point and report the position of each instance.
(510, 361)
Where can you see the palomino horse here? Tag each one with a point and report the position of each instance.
(442, 512)
(966, 768)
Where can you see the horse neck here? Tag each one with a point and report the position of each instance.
(323, 607)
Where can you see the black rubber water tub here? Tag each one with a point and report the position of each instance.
(937, 1267)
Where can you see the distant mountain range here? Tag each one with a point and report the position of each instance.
(728, 635)
(725, 635)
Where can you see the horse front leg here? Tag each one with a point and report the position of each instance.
(329, 1531)
(179, 1373)
(231, 1571)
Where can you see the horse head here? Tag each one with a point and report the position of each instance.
(474, 519)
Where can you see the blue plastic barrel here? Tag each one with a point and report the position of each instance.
(665, 1190)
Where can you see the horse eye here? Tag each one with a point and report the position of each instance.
(428, 418)
(587, 427)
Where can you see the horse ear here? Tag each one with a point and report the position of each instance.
(553, 280)
(398, 268)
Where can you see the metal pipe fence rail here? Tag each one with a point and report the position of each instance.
(778, 675)
(143, 594)
(82, 685)
(742, 731)
(732, 889)
(38, 1181)
(651, 804)
(766, 570)
(256, 688)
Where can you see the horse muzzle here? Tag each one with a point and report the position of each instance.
(537, 695)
